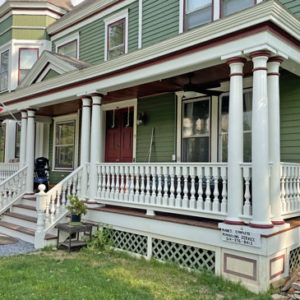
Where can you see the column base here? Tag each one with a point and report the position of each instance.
(234, 221)
(261, 225)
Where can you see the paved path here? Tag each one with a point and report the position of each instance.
(20, 247)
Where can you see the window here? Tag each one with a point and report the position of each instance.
(196, 130)
(64, 144)
(197, 12)
(27, 57)
(231, 6)
(68, 49)
(116, 35)
(18, 140)
(4, 71)
(223, 130)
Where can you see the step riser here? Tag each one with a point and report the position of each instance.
(17, 221)
(24, 211)
(17, 234)
(28, 202)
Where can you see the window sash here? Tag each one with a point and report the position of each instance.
(4, 71)
(206, 3)
(198, 16)
(68, 49)
(25, 64)
(121, 45)
(232, 6)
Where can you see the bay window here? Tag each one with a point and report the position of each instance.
(223, 126)
(68, 49)
(196, 130)
(231, 6)
(27, 58)
(197, 12)
(4, 71)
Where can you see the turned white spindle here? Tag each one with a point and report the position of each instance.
(216, 204)
(200, 202)
(282, 192)
(112, 182)
(172, 187)
(178, 187)
(193, 190)
(159, 187)
(287, 188)
(137, 184)
(148, 173)
(126, 178)
(247, 195)
(122, 183)
(165, 186)
(117, 182)
(131, 184)
(224, 189)
(142, 184)
(63, 196)
(185, 187)
(153, 185)
(104, 179)
(207, 204)
(99, 185)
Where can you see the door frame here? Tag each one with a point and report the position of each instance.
(121, 105)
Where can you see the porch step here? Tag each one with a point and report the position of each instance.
(24, 209)
(28, 201)
(24, 233)
(20, 219)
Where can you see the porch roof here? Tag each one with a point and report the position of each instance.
(268, 25)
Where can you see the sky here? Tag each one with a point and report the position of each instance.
(74, 2)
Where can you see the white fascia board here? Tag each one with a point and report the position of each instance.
(94, 18)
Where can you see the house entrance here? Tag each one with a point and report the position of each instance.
(119, 135)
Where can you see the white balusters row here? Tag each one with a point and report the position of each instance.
(290, 188)
(194, 187)
(8, 169)
(12, 188)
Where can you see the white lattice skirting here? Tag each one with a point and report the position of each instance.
(294, 259)
(184, 255)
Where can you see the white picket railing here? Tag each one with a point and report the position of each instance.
(290, 189)
(8, 169)
(193, 189)
(12, 189)
(51, 206)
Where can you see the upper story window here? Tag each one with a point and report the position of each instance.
(27, 58)
(4, 71)
(197, 12)
(231, 6)
(116, 35)
(68, 49)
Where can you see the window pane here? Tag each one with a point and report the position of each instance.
(196, 149)
(18, 141)
(65, 133)
(27, 58)
(194, 4)
(196, 118)
(116, 52)
(198, 17)
(232, 6)
(69, 49)
(116, 34)
(64, 157)
(23, 74)
(4, 71)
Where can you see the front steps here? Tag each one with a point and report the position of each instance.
(20, 222)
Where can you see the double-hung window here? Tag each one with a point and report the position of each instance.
(196, 130)
(4, 71)
(116, 35)
(197, 12)
(231, 6)
(223, 126)
(65, 143)
(27, 58)
(68, 49)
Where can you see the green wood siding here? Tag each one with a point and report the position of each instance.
(28, 20)
(160, 112)
(5, 34)
(160, 20)
(293, 6)
(50, 75)
(290, 120)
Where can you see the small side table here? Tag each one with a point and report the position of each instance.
(70, 229)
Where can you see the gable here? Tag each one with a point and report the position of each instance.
(51, 73)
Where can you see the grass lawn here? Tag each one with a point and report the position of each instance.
(87, 275)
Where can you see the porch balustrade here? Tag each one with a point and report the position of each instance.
(7, 170)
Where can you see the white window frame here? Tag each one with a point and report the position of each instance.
(70, 38)
(108, 21)
(62, 119)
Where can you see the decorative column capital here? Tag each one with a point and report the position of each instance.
(31, 113)
(237, 59)
(97, 99)
(236, 65)
(24, 114)
(86, 101)
(273, 65)
(261, 53)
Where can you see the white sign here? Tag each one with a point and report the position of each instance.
(241, 236)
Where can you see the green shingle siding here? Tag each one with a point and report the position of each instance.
(290, 120)
(160, 20)
(160, 112)
(293, 6)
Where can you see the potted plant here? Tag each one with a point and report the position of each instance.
(76, 208)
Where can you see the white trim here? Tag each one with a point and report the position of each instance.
(179, 125)
(124, 104)
(97, 5)
(140, 41)
(181, 18)
(214, 128)
(216, 10)
(65, 118)
(112, 19)
(66, 40)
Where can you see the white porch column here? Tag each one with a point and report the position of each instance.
(235, 142)
(274, 137)
(85, 140)
(23, 138)
(30, 149)
(96, 138)
(260, 143)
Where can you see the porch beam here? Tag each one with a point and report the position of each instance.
(260, 143)
(96, 149)
(274, 137)
(23, 138)
(235, 142)
(30, 150)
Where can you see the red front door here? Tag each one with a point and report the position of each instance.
(119, 135)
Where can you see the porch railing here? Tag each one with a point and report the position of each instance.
(8, 169)
(290, 189)
(194, 189)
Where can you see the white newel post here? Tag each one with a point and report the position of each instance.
(274, 137)
(96, 138)
(41, 204)
(85, 141)
(235, 142)
(23, 138)
(260, 143)
(30, 150)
